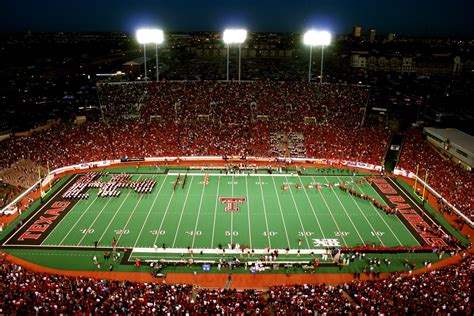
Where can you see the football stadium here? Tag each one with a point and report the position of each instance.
(235, 191)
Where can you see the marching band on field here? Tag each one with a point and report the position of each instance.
(110, 188)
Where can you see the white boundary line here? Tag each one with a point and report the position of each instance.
(234, 175)
(363, 214)
(418, 207)
(40, 208)
(386, 224)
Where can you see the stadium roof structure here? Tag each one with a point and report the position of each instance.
(454, 136)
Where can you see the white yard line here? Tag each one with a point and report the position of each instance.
(265, 213)
(199, 212)
(332, 215)
(248, 211)
(73, 226)
(93, 222)
(130, 217)
(281, 212)
(215, 212)
(347, 214)
(113, 217)
(232, 214)
(314, 212)
(164, 216)
(149, 211)
(298, 213)
(182, 212)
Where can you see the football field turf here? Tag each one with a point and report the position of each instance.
(303, 213)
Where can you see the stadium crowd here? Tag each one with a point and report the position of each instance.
(448, 179)
(444, 291)
(207, 118)
(196, 118)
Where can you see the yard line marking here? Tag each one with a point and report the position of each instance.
(314, 212)
(44, 205)
(82, 215)
(129, 217)
(164, 216)
(281, 212)
(298, 213)
(199, 212)
(232, 215)
(363, 214)
(265, 212)
(93, 222)
(149, 211)
(377, 211)
(347, 214)
(332, 215)
(182, 212)
(116, 212)
(248, 210)
(215, 212)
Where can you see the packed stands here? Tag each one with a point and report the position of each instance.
(196, 118)
(206, 118)
(444, 291)
(449, 180)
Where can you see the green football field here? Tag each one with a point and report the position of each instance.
(303, 213)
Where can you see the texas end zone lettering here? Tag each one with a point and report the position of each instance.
(232, 203)
(35, 230)
(45, 220)
(407, 211)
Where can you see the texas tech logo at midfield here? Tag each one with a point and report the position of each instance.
(232, 203)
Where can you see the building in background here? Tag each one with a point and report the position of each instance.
(356, 31)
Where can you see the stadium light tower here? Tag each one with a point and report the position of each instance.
(146, 36)
(316, 38)
(234, 36)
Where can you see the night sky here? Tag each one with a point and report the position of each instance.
(410, 17)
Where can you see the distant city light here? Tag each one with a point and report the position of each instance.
(147, 36)
(235, 36)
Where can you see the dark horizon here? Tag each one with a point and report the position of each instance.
(409, 18)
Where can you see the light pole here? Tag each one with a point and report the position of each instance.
(145, 36)
(314, 38)
(234, 36)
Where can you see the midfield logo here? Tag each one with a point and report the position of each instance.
(232, 203)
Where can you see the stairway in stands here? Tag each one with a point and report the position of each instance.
(290, 144)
